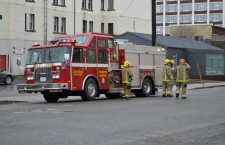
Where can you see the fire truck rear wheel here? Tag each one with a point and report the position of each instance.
(90, 90)
(51, 97)
(146, 90)
(147, 87)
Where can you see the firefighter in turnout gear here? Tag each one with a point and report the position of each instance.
(182, 77)
(126, 78)
(172, 62)
(167, 79)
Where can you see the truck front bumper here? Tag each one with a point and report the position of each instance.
(51, 87)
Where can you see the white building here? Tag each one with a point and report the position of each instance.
(194, 12)
(23, 22)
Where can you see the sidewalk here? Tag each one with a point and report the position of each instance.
(38, 97)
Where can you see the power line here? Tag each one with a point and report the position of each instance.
(124, 11)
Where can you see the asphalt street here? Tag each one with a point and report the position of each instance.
(199, 120)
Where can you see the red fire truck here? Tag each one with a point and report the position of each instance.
(88, 65)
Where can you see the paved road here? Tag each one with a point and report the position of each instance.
(199, 120)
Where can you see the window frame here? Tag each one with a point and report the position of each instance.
(84, 26)
(29, 22)
(91, 26)
(32, 1)
(111, 5)
(62, 3)
(63, 25)
(56, 24)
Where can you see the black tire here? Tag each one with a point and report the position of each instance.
(147, 89)
(113, 95)
(8, 80)
(90, 90)
(51, 97)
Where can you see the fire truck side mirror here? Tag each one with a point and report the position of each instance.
(66, 58)
(18, 61)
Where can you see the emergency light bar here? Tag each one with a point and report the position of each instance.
(66, 41)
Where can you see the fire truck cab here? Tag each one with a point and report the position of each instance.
(88, 65)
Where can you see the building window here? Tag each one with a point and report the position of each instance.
(110, 28)
(159, 9)
(84, 26)
(216, 6)
(159, 30)
(102, 28)
(0, 17)
(63, 25)
(29, 22)
(185, 7)
(171, 18)
(215, 64)
(215, 17)
(102, 5)
(199, 38)
(56, 24)
(200, 6)
(159, 19)
(171, 8)
(90, 26)
(90, 4)
(200, 18)
(29, 1)
(59, 2)
(83, 4)
(111, 5)
(185, 18)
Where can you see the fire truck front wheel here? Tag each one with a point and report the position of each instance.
(51, 97)
(90, 90)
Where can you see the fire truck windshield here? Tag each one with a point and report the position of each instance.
(49, 55)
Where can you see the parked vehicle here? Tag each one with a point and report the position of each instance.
(6, 77)
(88, 65)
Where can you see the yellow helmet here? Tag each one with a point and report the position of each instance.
(126, 63)
(166, 61)
(182, 61)
(172, 62)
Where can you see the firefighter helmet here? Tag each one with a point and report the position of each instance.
(166, 61)
(172, 62)
(126, 63)
(182, 61)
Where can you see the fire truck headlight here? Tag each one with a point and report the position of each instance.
(30, 77)
(56, 76)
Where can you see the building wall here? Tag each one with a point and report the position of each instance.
(129, 15)
(179, 12)
(192, 31)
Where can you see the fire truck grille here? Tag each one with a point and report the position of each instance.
(43, 74)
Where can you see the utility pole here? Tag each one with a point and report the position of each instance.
(154, 23)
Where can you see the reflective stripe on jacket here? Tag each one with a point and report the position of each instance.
(182, 73)
(167, 73)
